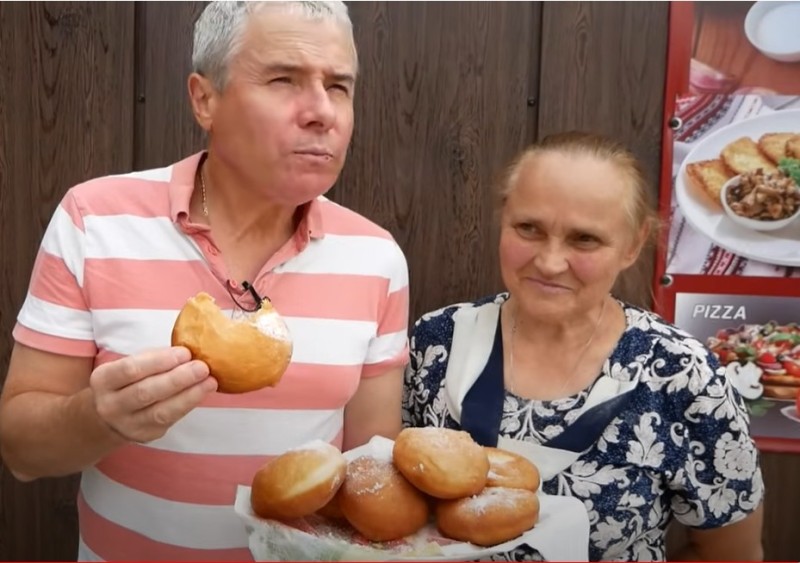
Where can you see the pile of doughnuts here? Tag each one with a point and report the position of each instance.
(484, 496)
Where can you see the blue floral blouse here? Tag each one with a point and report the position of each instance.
(681, 448)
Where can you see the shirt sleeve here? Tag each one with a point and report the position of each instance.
(55, 316)
(389, 348)
(716, 479)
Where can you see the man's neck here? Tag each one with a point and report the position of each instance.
(236, 213)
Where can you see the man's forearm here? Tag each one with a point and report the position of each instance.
(49, 435)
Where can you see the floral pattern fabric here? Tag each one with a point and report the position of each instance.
(680, 449)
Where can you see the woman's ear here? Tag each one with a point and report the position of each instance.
(640, 237)
(202, 96)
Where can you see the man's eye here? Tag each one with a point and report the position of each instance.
(281, 80)
(340, 87)
(525, 229)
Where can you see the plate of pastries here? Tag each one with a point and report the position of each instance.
(431, 494)
(762, 152)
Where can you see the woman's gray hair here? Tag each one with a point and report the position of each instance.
(219, 29)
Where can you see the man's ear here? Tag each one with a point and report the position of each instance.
(203, 97)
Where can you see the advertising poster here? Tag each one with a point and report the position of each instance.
(738, 125)
(745, 149)
(757, 340)
(745, 46)
(728, 266)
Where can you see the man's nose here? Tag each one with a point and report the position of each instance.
(317, 108)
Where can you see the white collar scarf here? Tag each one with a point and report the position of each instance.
(473, 338)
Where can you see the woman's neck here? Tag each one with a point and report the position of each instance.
(549, 332)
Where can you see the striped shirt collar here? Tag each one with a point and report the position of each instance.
(181, 186)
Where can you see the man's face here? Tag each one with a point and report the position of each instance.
(284, 120)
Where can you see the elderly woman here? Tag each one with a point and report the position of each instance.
(617, 407)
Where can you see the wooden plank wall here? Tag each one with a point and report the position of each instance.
(66, 114)
(448, 92)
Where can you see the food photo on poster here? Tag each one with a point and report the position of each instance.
(745, 46)
(757, 340)
(735, 203)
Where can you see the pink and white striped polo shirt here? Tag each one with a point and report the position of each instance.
(118, 261)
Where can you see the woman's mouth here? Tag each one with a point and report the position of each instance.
(546, 286)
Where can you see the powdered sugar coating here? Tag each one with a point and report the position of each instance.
(441, 438)
(492, 497)
(368, 475)
(271, 324)
(499, 459)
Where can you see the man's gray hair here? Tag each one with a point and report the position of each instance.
(219, 29)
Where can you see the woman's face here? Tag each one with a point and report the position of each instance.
(565, 236)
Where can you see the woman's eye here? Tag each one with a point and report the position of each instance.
(587, 241)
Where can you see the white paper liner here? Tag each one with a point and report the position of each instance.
(561, 534)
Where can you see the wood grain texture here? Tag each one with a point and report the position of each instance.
(165, 128)
(781, 540)
(603, 69)
(66, 79)
(440, 108)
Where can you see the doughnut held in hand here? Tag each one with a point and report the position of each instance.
(299, 482)
(243, 354)
(379, 502)
(441, 462)
(507, 469)
(494, 516)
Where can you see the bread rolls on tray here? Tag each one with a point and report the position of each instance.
(484, 496)
(299, 482)
(446, 464)
(243, 354)
(379, 502)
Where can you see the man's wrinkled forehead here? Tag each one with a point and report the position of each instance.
(273, 38)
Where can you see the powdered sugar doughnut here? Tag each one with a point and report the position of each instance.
(299, 482)
(507, 469)
(379, 502)
(444, 463)
(247, 353)
(494, 516)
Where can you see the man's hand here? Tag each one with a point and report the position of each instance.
(140, 397)
(59, 414)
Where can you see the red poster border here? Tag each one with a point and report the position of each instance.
(666, 287)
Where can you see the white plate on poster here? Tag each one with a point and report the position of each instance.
(780, 247)
(790, 412)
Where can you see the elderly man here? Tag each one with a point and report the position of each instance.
(93, 385)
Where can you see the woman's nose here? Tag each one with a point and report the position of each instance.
(551, 259)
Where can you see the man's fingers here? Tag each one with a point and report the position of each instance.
(157, 388)
(153, 422)
(126, 371)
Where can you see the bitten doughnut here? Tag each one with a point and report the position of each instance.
(511, 470)
(379, 502)
(494, 516)
(298, 482)
(243, 354)
(444, 463)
